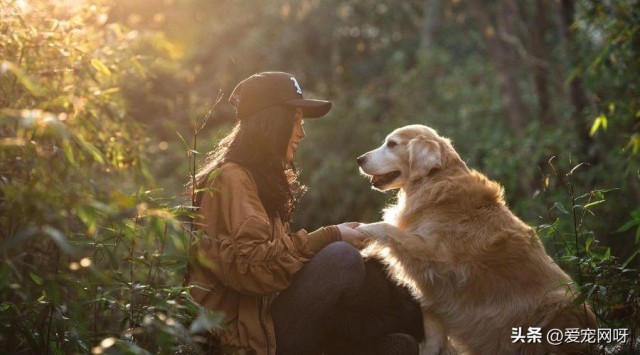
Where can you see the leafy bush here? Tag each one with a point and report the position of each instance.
(90, 262)
(610, 284)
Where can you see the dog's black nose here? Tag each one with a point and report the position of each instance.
(361, 160)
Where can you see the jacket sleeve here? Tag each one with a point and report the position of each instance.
(250, 258)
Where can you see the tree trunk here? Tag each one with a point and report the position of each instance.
(577, 95)
(504, 58)
(540, 63)
(500, 40)
(431, 21)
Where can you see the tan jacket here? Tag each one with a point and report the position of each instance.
(243, 260)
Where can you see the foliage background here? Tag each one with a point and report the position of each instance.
(92, 93)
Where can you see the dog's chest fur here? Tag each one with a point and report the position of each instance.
(406, 259)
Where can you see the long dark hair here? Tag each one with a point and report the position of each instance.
(259, 143)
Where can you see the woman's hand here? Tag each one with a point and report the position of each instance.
(352, 236)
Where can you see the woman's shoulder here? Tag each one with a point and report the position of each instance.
(232, 173)
(232, 168)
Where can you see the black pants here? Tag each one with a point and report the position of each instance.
(341, 304)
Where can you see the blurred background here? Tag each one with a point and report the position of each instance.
(100, 100)
(513, 84)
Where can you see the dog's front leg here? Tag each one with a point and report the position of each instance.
(383, 232)
(435, 335)
(408, 242)
(382, 235)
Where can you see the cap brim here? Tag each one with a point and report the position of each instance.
(311, 108)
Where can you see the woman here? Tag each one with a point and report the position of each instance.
(285, 292)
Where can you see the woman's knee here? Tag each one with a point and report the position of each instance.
(342, 254)
(341, 260)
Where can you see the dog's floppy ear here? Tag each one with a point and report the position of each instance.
(424, 155)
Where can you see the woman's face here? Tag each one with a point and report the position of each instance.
(296, 135)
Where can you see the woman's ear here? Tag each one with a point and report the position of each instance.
(424, 156)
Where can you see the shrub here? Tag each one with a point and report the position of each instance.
(90, 262)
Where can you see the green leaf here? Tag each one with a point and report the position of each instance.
(4, 277)
(588, 244)
(628, 226)
(19, 238)
(88, 217)
(560, 207)
(602, 291)
(23, 78)
(140, 70)
(634, 143)
(12, 142)
(112, 258)
(100, 67)
(37, 279)
(91, 149)
(183, 140)
(58, 238)
(630, 259)
(594, 203)
(205, 322)
(110, 91)
(68, 152)
(601, 121)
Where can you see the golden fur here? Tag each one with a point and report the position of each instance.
(478, 270)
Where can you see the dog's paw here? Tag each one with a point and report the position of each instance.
(439, 351)
(432, 348)
(438, 348)
(365, 229)
(372, 230)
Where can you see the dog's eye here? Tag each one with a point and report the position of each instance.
(391, 144)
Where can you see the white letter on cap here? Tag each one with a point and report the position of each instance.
(295, 83)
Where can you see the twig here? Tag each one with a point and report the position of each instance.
(162, 244)
(196, 131)
(52, 305)
(133, 244)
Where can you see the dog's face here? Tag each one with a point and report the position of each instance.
(408, 153)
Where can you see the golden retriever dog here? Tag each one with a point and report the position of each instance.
(478, 270)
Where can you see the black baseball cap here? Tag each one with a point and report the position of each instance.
(267, 89)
